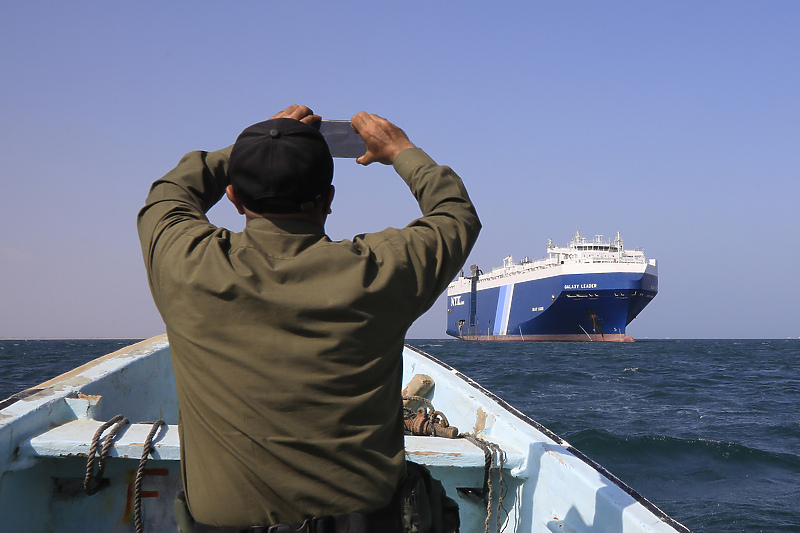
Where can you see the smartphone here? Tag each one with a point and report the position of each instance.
(342, 140)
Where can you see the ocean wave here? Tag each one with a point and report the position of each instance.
(678, 450)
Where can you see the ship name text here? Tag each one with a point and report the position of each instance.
(581, 286)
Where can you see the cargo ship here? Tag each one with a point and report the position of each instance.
(588, 291)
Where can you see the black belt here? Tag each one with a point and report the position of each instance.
(386, 520)
(326, 524)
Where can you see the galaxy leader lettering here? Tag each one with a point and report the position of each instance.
(581, 286)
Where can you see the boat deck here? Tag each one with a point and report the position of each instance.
(74, 439)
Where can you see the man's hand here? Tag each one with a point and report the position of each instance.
(299, 112)
(384, 140)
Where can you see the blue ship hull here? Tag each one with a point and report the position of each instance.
(560, 307)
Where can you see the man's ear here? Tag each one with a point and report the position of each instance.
(329, 200)
(235, 201)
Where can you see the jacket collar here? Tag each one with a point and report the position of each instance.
(284, 226)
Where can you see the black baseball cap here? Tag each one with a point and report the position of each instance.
(280, 165)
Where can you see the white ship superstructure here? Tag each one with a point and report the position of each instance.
(589, 290)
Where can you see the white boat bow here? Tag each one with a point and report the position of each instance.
(46, 438)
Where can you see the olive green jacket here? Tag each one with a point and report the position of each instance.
(287, 346)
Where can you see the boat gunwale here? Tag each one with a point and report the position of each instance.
(78, 370)
(28, 402)
(664, 517)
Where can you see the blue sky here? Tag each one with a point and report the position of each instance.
(676, 123)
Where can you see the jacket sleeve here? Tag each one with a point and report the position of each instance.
(177, 205)
(438, 243)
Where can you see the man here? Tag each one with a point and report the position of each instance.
(287, 346)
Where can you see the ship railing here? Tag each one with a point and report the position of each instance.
(532, 266)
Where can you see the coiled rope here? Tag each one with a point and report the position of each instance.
(490, 450)
(137, 486)
(93, 483)
(420, 399)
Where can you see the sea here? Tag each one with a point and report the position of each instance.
(707, 430)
